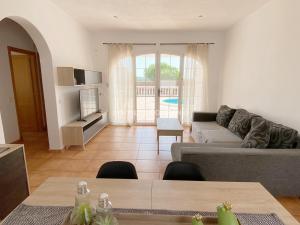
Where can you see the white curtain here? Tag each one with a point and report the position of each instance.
(194, 86)
(121, 85)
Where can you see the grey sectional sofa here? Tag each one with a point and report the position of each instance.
(219, 154)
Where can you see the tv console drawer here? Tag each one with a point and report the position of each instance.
(92, 131)
(80, 132)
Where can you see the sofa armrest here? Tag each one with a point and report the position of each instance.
(276, 169)
(204, 117)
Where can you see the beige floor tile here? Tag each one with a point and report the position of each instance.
(94, 165)
(148, 176)
(87, 174)
(167, 140)
(152, 155)
(292, 204)
(116, 139)
(36, 179)
(43, 154)
(64, 154)
(165, 155)
(148, 147)
(162, 166)
(116, 155)
(35, 163)
(52, 164)
(76, 165)
(118, 146)
(85, 154)
(148, 166)
(93, 146)
(165, 147)
(146, 140)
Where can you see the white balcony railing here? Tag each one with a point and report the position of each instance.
(149, 91)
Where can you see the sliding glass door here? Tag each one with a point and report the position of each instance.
(145, 79)
(158, 85)
(169, 86)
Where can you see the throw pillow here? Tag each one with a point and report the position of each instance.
(282, 136)
(224, 115)
(240, 123)
(259, 134)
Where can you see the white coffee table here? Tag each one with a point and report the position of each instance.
(168, 127)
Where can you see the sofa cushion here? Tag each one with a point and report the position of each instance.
(282, 136)
(240, 123)
(224, 115)
(198, 126)
(259, 134)
(218, 137)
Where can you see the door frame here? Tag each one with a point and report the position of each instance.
(181, 67)
(140, 53)
(158, 52)
(39, 97)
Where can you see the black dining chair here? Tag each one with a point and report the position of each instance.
(183, 171)
(117, 170)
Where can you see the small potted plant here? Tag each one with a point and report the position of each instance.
(225, 215)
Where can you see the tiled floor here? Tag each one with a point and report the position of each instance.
(135, 144)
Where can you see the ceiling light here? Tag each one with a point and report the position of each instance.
(200, 16)
(116, 17)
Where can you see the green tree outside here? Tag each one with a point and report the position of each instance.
(167, 72)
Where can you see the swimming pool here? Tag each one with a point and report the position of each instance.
(173, 101)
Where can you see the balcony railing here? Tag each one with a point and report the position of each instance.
(149, 89)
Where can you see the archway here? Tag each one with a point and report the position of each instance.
(48, 80)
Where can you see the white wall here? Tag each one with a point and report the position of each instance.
(15, 36)
(60, 41)
(215, 53)
(262, 63)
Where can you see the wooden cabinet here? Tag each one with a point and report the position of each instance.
(69, 76)
(80, 132)
(14, 187)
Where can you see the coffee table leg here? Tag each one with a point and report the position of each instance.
(181, 139)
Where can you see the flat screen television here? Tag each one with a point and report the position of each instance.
(89, 102)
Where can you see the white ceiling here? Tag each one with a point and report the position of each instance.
(159, 14)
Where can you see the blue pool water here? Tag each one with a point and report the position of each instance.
(171, 101)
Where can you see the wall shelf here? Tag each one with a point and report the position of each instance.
(69, 76)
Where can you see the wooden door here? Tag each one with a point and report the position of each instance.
(28, 91)
(24, 93)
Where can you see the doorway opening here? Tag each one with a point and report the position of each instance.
(158, 84)
(28, 92)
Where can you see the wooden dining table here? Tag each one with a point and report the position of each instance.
(158, 194)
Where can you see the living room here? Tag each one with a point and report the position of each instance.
(154, 67)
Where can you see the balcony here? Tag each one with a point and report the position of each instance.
(145, 101)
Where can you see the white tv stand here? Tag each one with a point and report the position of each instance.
(81, 132)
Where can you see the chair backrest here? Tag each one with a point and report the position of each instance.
(117, 170)
(183, 171)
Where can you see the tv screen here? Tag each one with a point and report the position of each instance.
(89, 102)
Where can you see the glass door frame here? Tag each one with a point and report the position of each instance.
(158, 52)
(137, 53)
(181, 57)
